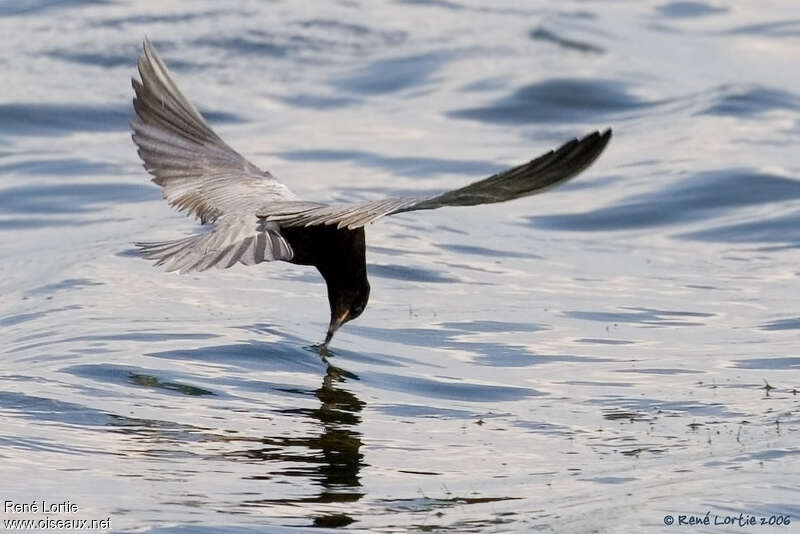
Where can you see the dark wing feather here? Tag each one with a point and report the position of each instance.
(533, 177)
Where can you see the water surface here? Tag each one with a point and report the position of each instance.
(593, 359)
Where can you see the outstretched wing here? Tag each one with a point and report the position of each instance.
(547, 170)
(199, 172)
(245, 239)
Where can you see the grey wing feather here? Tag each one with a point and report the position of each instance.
(547, 170)
(199, 172)
(232, 238)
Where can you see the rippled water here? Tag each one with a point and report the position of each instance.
(593, 359)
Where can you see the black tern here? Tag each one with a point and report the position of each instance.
(251, 217)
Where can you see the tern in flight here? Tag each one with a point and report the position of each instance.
(251, 217)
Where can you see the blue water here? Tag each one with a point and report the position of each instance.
(619, 349)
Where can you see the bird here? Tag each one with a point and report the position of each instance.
(250, 217)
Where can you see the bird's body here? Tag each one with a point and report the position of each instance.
(339, 254)
(252, 217)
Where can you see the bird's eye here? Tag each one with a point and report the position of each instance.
(357, 310)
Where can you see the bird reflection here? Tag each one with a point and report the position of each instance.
(328, 456)
(332, 457)
(339, 443)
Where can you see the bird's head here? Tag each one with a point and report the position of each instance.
(346, 305)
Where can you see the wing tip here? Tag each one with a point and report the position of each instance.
(603, 138)
(148, 48)
(595, 142)
(600, 135)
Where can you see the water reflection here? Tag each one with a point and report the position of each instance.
(328, 459)
(332, 458)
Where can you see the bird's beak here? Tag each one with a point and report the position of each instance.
(336, 322)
